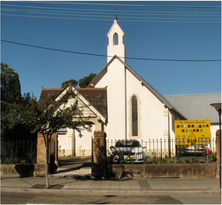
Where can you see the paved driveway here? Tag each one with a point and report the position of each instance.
(74, 163)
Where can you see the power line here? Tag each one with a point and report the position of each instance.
(93, 12)
(102, 16)
(117, 11)
(131, 5)
(100, 55)
(103, 19)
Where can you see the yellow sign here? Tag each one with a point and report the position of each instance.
(189, 132)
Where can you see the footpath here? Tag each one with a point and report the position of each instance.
(79, 181)
(74, 176)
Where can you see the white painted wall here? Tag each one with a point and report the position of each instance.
(70, 143)
(113, 48)
(153, 115)
(66, 143)
(83, 144)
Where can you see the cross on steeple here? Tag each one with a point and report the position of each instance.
(116, 17)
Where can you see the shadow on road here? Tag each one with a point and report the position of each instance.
(71, 164)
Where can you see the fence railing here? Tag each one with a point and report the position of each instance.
(160, 148)
(21, 149)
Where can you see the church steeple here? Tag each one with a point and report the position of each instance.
(116, 42)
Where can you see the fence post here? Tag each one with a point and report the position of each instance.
(161, 150)
(92, 149)
(164, 147)
(28, 145)
(213, 145)
(157, 146)
(149, 146)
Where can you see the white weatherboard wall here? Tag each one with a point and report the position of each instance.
(69, 143)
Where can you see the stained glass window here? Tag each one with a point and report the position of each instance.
(134, 116)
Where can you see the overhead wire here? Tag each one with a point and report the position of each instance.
(101, 55)
(89, 15)
(103, 15)
(102, 19)
(201, 13)
(131, 5)
(95, 12)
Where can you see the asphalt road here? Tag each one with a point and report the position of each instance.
(41, 198)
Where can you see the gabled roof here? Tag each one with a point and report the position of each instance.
(196, 106)
(144, 82)
(96, 97)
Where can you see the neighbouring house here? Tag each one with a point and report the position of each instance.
(125, 106)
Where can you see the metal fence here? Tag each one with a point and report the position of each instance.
(21, 149)
(156, 148)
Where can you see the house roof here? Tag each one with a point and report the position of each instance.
(97, 97)
(196, 106)
(144, 82)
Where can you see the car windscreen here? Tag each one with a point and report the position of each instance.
(128, 144)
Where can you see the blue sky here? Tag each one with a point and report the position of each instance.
(160, 30)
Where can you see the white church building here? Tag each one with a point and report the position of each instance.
(121, 103)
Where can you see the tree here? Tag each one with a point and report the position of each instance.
(48, 117)
(83, 82)
(66, 83)
(10, 116)
(10, 84)
(10, 100)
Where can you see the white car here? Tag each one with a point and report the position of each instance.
(128, 150)
(195, 149)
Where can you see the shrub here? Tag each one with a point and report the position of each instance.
(213, 156)
(10, 160)
(147, 162)
(172, 161)
(164, 160)
(196, 160)
(180, 160)
(155, 161)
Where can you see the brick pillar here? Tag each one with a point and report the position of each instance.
(40, 166)
(99, 154)
(218, 151)
(99, 147)
(40, 149)
(56, 150)
(218, 145)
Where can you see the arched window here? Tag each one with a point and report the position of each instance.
(134, 116)
(115, 39)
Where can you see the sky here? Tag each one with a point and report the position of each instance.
(174, 45)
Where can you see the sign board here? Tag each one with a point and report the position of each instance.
(189, 132)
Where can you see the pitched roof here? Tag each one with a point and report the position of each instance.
(196, 106)
(97, 97)
(144, 82)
